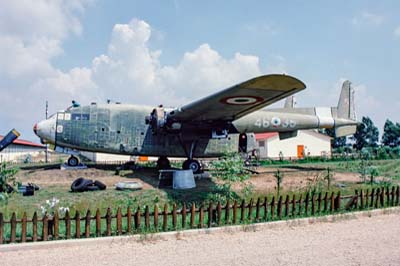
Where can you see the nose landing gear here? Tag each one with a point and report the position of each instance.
(73, 161)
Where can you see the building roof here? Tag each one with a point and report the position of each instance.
(25, 143)
(266, 135)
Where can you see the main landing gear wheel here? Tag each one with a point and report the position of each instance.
(194, 165)
(163, 163)
(73, 161)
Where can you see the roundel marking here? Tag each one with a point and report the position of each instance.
(276, 121)
(241, 100)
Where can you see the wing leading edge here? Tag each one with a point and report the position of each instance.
(239, 100)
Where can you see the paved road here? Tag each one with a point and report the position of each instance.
(363, 241)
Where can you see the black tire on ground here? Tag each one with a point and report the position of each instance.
(73, 161)
(92, 188)
(100, 185)
(80, 184)
(194, 165)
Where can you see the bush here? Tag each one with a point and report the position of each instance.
(7, 180)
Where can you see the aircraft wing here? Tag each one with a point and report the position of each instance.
(239, 100)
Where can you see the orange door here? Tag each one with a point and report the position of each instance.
(300, 151)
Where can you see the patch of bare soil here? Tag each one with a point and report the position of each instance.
(57, 177)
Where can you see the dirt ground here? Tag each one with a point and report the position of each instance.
(363, 241)
(293, 180)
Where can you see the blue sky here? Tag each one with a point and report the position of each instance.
(135, 51)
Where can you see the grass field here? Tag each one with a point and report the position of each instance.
(299, 178)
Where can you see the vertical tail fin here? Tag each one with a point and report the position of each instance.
(345, 108)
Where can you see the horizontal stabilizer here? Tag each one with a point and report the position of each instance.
(345, 130)
(287, 135)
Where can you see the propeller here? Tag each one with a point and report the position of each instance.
(8, 139)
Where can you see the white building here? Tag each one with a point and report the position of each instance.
(20, 150)
(306, 143)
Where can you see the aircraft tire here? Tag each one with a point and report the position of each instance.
(194, 165)
(100, 185)
(73, 161)
(80, 184)
(163, 163)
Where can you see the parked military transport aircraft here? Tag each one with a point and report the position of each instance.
(223, 122)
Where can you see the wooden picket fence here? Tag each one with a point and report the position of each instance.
(189, 216)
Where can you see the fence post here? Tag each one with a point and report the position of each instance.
(326, 202)
(307, 202)
(294, 205)
(332, 201)
(382, 197)
(165, 218)
(192, 215)
(280, 208)
(300, 204)
(366, 204)
(77, 225)
(98, 223)
(273, 208)
(45, 222)
(67, 222)
(201, 216)
(250, 214)
(258, 210)
(174, 216)
(23, 227)
(13, 228)
(34, 227)
(119, 221)
(287, 206)
(156, 217)
(319, 202)
(392, 197)
(372, 197)
(338, 201)
(378, 193)
(87, 224)
(210, 210)
(219, 213)
(146, 217)
(362, 199)
(387, 196)
(227, 212)
(1, 228)
(56, 221)
(313, 204)
(265, 208)
(397, 195)
(242, 211)
(108, 222)
(234, 212)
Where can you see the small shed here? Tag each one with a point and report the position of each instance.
(306, 143)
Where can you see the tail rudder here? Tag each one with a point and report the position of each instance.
(345, 108)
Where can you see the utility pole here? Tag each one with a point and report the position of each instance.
(47, 145)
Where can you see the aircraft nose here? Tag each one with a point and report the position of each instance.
(45, 130)
(35, 129)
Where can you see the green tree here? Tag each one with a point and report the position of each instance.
(367, 134)
(391, 134)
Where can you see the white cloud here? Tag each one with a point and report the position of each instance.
(396, 32)
(130, 71)
(367, 18)
(135, 74)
